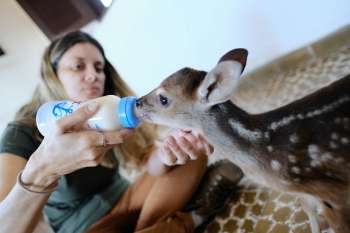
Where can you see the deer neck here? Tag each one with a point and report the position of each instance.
(233, 132)
(241, 138)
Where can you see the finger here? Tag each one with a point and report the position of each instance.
(200, 143)
(181, 156)
(79, 117)
(117, 137)
(195, 142)
(94, 138)
(188, 148)
(209, 149)
(167, 156)
(83, 126)
(92, 157)
(186, 130)
(191, 138)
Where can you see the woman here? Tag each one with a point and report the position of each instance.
(72, 174)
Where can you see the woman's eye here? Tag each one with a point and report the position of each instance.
(77, 66)
(99, 69)
(163, 100)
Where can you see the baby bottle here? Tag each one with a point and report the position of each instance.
(114, 113)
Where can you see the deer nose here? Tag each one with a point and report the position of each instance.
(139, 103)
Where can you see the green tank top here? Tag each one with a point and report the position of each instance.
(82, 197)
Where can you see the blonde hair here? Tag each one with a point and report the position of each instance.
(133, 151)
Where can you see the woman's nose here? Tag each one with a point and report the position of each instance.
(90, 78)
(91, 75)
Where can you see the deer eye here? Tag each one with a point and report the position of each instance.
(163, 100)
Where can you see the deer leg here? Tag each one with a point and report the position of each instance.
(313, 221)
(311, 206)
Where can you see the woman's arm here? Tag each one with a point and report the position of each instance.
(63, 151)
(20, 210)
(10, 165)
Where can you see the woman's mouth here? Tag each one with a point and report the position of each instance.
(92, 90)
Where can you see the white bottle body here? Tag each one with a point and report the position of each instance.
(107, 117)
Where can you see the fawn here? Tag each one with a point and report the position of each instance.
(302, 148)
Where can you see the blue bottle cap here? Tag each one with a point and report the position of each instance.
(126, 112)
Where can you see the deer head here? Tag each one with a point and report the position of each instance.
(184, 95)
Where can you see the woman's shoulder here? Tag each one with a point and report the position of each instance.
(19, 138)
(18, 128)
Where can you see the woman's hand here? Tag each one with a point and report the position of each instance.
(69, 147)
(181, 146)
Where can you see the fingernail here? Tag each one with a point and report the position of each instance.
(186, 130)
(91, 107)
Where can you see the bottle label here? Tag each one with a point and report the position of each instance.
(64, 108)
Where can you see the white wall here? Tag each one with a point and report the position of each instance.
(23, 43)
(148, 40)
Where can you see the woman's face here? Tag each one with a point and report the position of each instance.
(81, 72)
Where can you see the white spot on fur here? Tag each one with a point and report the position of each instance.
(296, 170)
(308, 169)
(318, 157)
(292, 158)
(251, 135)
(333, 145)
(313, 149)
(331, 106)
(337, 120)
(326, 108)
(293, 138)
(329, 174)
(283, 122)
(314, 156)
(314, 152)
(269, 148)
(344, 140)
(326, 156)
(297, 180)
(267, 135)
(334, 136)
(315, 163)
(339, 160)
(273, 126)
(218, 177)
(275, 165)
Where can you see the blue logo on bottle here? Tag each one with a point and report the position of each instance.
(63, 109)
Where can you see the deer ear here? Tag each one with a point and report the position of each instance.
(219, 84)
